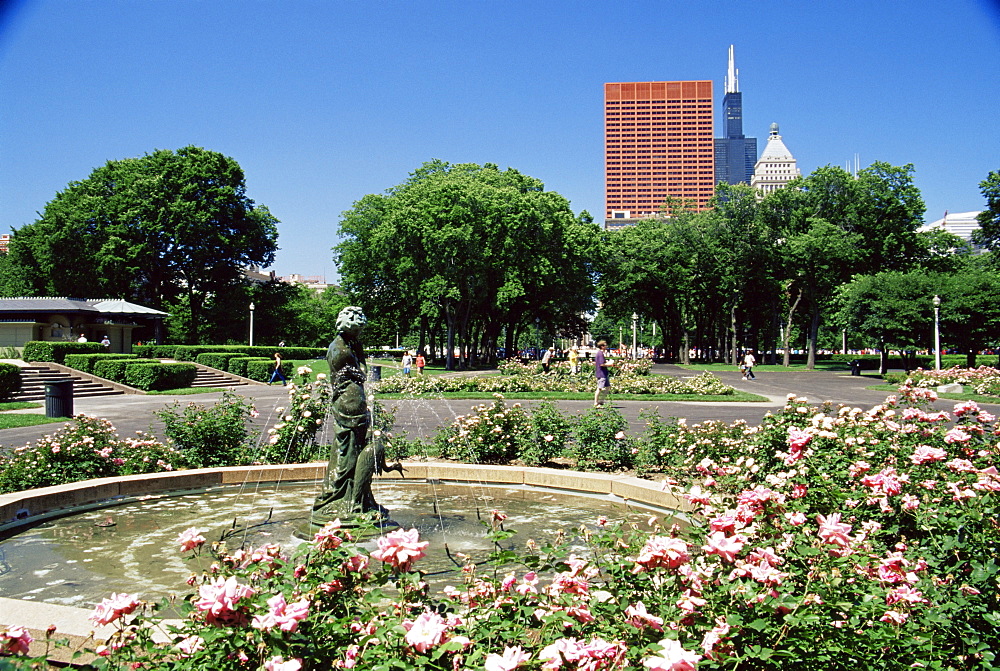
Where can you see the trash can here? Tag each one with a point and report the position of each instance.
(374, 373)
(855, 367)
(59, 398)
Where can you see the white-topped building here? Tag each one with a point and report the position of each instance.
(776, 166)
(961, 224)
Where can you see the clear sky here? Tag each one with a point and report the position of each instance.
(324, 101)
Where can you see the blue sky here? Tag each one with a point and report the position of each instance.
(322, 102)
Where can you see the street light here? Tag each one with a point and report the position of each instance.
(937, 332)
(635, 349)
(251, 324)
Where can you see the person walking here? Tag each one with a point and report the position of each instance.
(748, 363)
(407, 362)
(277, 371)
(602, 374)
(421, 362)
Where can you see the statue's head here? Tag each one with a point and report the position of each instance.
(351, 321)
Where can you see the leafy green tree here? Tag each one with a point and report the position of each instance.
(171, 230)
(988, 234)
(970, 311)
(479, 250)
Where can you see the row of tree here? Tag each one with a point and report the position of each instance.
(470, 259)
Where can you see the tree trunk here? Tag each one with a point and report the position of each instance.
(883, 359)
(813, 336)
(787, 359)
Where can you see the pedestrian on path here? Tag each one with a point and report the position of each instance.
(421, 362)
(407, 362)
(602, 374)
(277, 371)
(748, 364)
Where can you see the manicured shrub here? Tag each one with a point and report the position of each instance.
(39, 350)
(88, 362)
(191, 352)
(114, 369)
(292, 439)
(154, 351)
(218, 360)
(159, 376)
(211, 435)
(10, 379)
(238, 365)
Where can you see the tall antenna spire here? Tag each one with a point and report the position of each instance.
(732, 78)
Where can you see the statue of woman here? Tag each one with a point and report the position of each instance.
(345, 489)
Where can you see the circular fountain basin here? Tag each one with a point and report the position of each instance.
(79, 559)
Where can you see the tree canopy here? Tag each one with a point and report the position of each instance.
(172, 230)
(480, 250)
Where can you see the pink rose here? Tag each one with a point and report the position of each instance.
(190, 539)
(726, 547)
(400, 548)
(832, 531)
(508, 661)
(114, 608)
(426, 632)
(15, 641)
(672, 657)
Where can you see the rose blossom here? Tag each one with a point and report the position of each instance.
(112, 609)
(15, 641)
(425, 632)
(925, 453)
(510, 660)
(639, 617)
(190, 539)
(279, 664)
(219, 599)
(726, 547)
(282, 615)
(832, 531)
(400, 548)
(662, 551)
(672, 657)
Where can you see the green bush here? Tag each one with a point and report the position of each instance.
(210, 436)
(155, 351)
(238, 365)
(114, 369)
(292, 439)
(88, 362)
(55, 352)
(551, 431)
(217, 360)
(601, 440)
(10, 379)
(191, 352)
(494, 434)
(159, 376)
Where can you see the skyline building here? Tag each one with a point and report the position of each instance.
(735, 154)
(658, 143)
(776, 167)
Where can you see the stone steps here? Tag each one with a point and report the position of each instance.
(33, 379)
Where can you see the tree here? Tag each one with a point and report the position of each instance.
(988, 234)
(471, 247)
(171, 230)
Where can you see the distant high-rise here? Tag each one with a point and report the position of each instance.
(735, 154)
(658, 143)
(776, 167)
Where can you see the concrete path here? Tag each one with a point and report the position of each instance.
(422, 417)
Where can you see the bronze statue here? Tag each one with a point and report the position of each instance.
(354, 457)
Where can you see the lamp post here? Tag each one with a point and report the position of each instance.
(635, 346)
(937, 332)
(251, 323)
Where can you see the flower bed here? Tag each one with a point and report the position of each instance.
(984, 380)
(826, 538)
(625, 383)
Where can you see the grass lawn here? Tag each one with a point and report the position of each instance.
(953, 397)
(18, 405)
(186, 391)
(738, 397)
(10, 421)
(825, 366)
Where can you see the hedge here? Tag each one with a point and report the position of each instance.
(191, 352)
(218, 360)
(261, 369)
(87, 362)
(114, 369)
(10, 379)
(872, 361)
(55, 352)
(154, 351)
(238, 365)
(160, 376)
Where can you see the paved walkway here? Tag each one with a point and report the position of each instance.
(422, 417)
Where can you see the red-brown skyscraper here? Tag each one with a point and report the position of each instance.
(658, 143)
